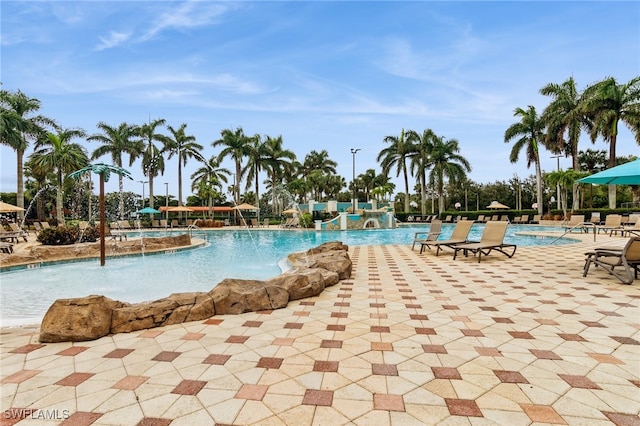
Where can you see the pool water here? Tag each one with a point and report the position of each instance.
(249, 254)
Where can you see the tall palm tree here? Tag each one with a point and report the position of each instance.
(368, 182)
(56, 153)
(421, 160)
(209, 177)
(183, 146)
(279, 163)
(18, 126)
(565, 115)
(318, 161)
(530, 133)
(237, 146)
(608, 103)
(256, 162)
(152, 158)
(117, 141)
(447, 163)
(396, 155)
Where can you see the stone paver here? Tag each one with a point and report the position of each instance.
(409, 339)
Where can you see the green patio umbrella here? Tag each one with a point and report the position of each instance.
(148, 210)
(624, 174)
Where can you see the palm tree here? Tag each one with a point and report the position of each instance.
(279, 162)
(152, 158)
(117, 141)
(530, 131)
(564, 115)
(396, 154)
(56, 153)
(209, 177)
(237, 146)
(256, 161)
(447, 162)
(367, 181)
(592, 161)
(318, 161)
(608, 103)
(421, 160)
(18, 126)
(563, 179)
(183, 146)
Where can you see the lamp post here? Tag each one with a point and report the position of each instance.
(166, 202)
(143, 182)
(354, 151)
(557, 157)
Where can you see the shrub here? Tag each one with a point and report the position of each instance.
(306, 220)
(59, 236)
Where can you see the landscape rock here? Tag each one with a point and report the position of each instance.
(92, 317)
(78, 319)
(236, 296)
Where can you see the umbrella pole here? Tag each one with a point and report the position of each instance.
(102, 224)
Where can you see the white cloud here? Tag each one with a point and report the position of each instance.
(189, 14)
(114, 39)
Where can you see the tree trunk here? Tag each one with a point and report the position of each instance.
(20, 183)
(59, 207)
(121, 197)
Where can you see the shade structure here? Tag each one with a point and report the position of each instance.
(497, 205)
(148, 210)
(624, 174)
(245, 206)
(179, 209)
(9, 208)
(291, 211)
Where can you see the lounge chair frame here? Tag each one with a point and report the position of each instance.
(492, 239)
(628, 258)
(424, 238)
(460, 235)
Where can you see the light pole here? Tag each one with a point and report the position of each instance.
(143, 182)
(354, 151)
(166, 202)
(557, 157)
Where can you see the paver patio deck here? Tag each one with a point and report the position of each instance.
(409, 339)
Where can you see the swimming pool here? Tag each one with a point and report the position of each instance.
(250, 254)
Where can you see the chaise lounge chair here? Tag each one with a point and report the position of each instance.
(612, 223)
(492, 239)
(576, 221)
(425, 237)
(610, 258)
(458, 236)
(632, 230)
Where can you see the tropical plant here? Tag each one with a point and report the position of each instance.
(278, 162)
(206, 179)
(57, 154)
(237, 146)
(592, 161)
(529, 132)
(447, 163)
(117, 141)
(152, 157)
(564, 115)
(563, 179)
(183, 146)
(608, 103)
(421, 160)
(18, 126)
(395, 155)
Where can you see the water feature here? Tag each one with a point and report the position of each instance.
(229, 254)
(33, 201)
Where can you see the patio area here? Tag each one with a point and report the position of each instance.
(409, 339)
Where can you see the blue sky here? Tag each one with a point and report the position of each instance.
(324, 75)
